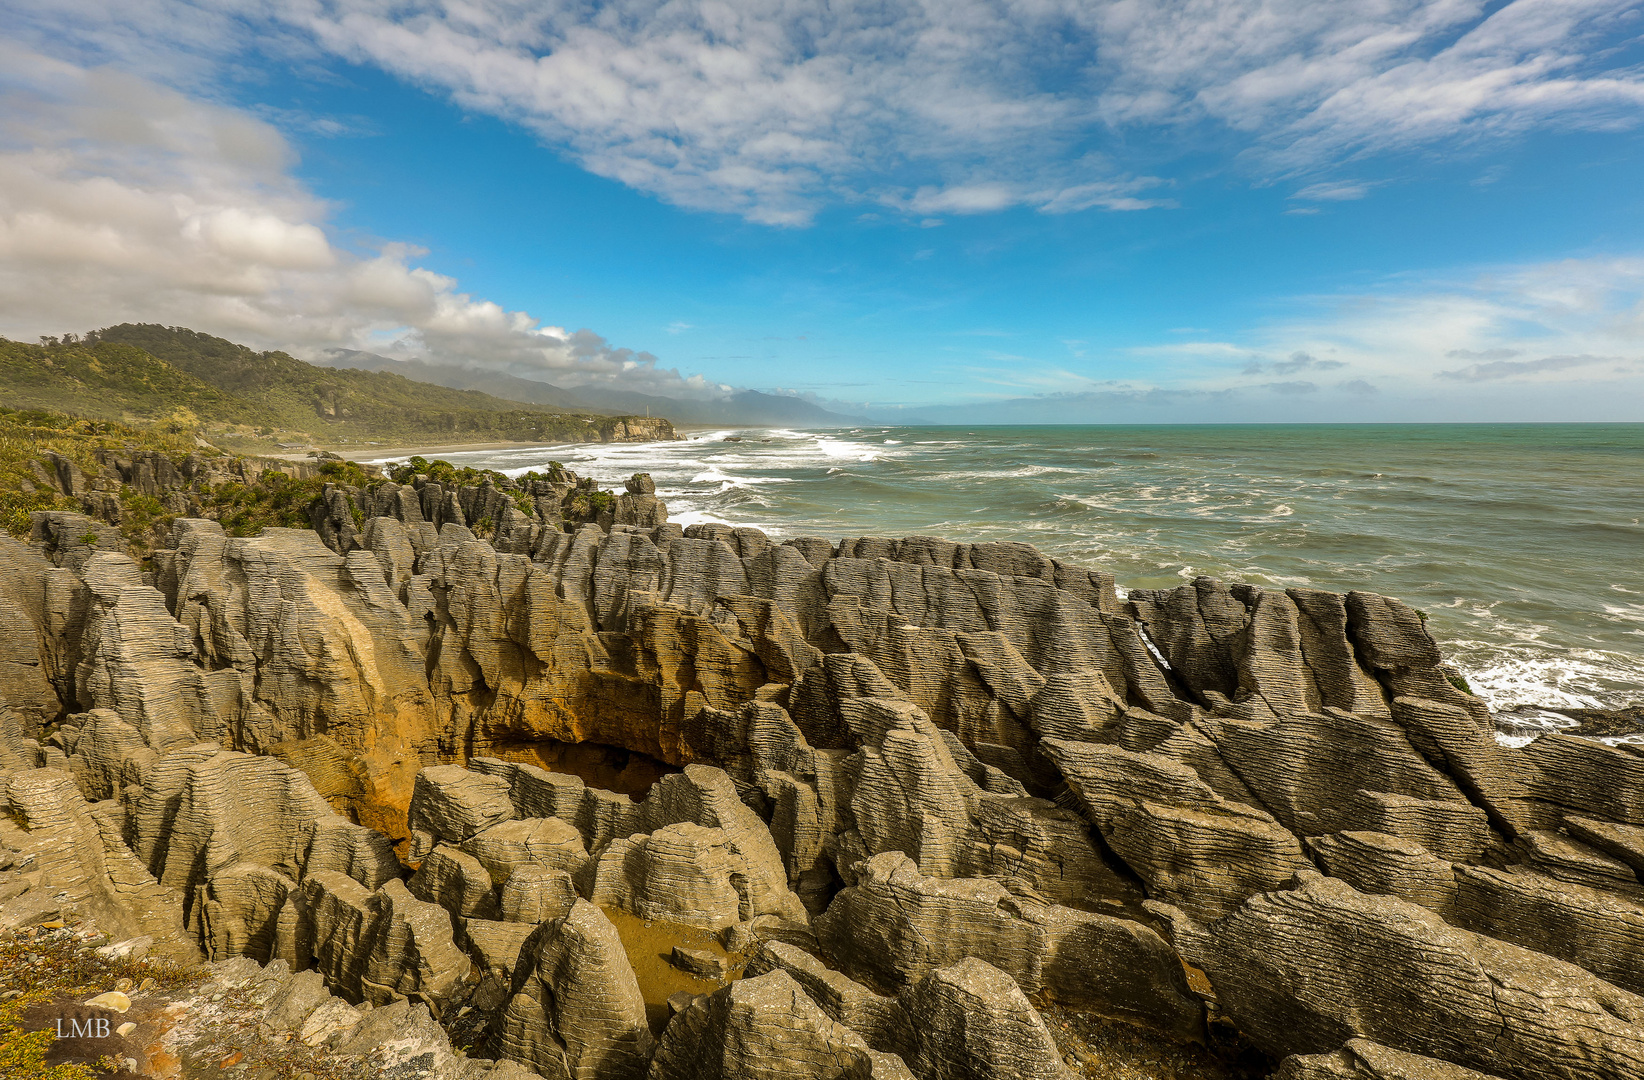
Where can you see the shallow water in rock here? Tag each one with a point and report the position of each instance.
(649, 943)
(1524, 544)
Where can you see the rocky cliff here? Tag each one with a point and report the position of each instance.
(920, 794)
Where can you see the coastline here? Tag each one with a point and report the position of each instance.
(377, 453)
(1325, 727)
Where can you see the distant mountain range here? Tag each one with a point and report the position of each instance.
(743, 408)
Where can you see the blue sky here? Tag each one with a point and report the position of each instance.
(974, 210)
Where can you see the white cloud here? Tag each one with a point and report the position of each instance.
(772, 109)
(1333, 191)
(1569, 324)
(123, 200)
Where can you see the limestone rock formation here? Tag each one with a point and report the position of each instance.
(880, 1021)
(457, 882)
(765, 1028)
(576, 1009)
(510, 846)
(454, 804)
(1305, 969)
(76, 860)
(974, 1024)
(536, 894)
(1190, 845)
(1361, 1058)
(681, 873)
(407, 756)
(895, 925)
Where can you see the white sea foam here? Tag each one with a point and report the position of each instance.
(1510, 676)
(842, 448)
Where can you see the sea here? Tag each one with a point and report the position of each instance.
(1524, 544)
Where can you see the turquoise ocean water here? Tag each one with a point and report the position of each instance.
(1523, 543)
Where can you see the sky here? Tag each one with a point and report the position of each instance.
(971, 211)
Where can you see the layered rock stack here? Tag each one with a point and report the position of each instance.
(919, 791)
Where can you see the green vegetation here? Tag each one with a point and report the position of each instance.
(112, 381)
(449, 475)
(27, 485)
(279, 501)
(47, 966)
(229, 383)
(1460, 683)
(28, 481)
(189, 381)
(135, 387)
(443, 473)
(28, 435)
(586, 504)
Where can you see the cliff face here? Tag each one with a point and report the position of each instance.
(966, 774)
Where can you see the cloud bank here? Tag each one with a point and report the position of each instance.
(123, 200)
(1555, 340)
(773, 110)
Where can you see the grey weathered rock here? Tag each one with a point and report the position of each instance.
(1118, 967)
(1591, 928)
(706, 797)
(535, 894)
(681, 873)
(1624, 843)
(879, 1020)
(334, 843)
(457, 882)
(1305, 969)
(77, 861)
(576, 1008)
(972, 1023)
(872, 697)
(1189, 844)
(701, 962)
(894, 926)
(509, 846)
(1374, 862)
(241, 912)
(379, 946)
(765, 1028)
(1361, 1058)
(454, 804)
(495, 946)
(1563, 856)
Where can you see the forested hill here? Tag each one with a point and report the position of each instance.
(150, 372)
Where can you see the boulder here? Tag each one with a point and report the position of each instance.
(879, 1020)
(454, 804)
(536, 894)
(975, 1024)
(894, 926)
(681, 873)
(765, 1028)
(509, 845)
(1361, 1058)
(575, 1008)
(457, 882)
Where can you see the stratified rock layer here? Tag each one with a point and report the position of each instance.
(951, 773)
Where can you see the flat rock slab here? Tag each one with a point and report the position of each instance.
(699, 962)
